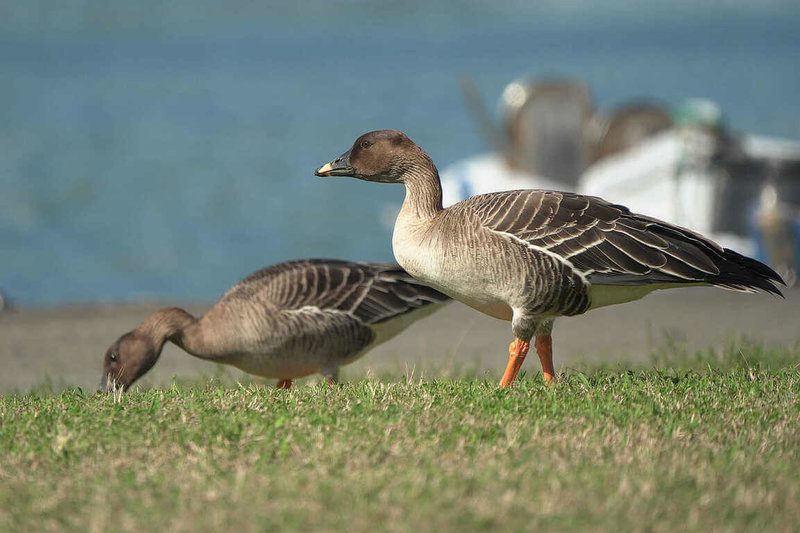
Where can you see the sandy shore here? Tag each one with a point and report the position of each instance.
(66, 345)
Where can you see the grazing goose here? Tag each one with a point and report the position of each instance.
(530, 256)
(286, 321)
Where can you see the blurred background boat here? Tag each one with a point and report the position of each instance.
(684, 165)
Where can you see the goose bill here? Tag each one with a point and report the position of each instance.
(105, 383)
(338, 167)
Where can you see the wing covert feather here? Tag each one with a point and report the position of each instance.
(370, 292)
(608, 244)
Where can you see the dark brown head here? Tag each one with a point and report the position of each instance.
(383, 155)
(128, 359)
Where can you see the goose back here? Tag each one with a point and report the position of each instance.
(370, 292)
(294, 318)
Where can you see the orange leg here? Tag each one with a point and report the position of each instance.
(544, 348)
(285, 384)
(516, 355)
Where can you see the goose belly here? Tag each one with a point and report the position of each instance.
(604, 295)
(304, 342)
(283, 366)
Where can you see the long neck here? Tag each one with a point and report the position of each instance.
(166, 325)
(198, 337)
(423, 190)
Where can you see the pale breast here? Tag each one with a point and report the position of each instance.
(471, 269)
(487, 270)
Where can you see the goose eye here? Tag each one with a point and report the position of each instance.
(113, 356)
(365, 144)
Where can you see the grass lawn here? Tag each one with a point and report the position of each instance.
(708, 442)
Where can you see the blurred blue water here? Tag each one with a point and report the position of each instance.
(166, 151)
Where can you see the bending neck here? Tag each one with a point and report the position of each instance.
(167, 324)
(423, 191)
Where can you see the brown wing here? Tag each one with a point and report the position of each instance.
(608, 244)
(370, 292)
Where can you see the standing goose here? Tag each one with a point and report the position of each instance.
(530, 256)
(286, 321)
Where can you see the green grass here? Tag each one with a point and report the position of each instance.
(705, 442)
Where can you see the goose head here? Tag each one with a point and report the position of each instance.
(128, 359)
(384, 155)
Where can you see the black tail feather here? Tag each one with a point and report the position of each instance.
(742, 273)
